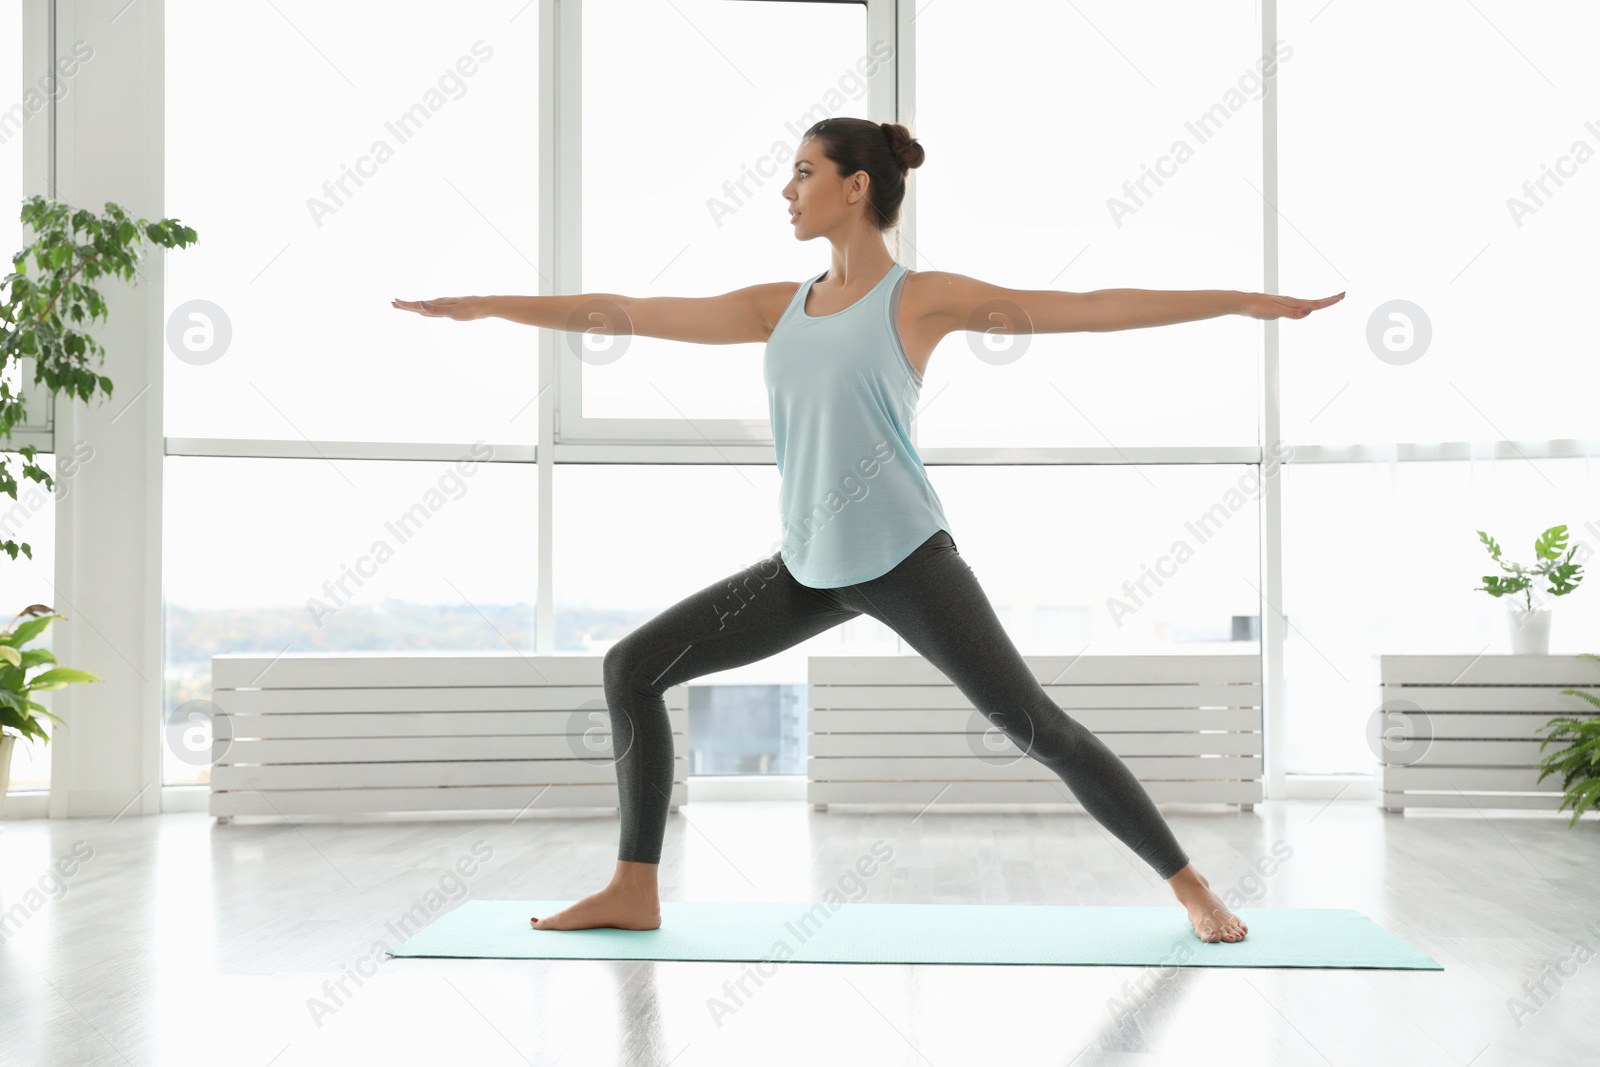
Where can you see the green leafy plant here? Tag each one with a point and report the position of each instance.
(17, 711)
(1564, 575)
(1579, 762)
(72, 248)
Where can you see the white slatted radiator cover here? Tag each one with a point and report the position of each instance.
(339, 733)
(894, 730)
(1463, 730)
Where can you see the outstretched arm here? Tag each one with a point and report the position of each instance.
(747, 314)
(958, 300)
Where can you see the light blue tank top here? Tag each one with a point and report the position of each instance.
(855, 498)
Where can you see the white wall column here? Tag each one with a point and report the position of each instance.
(109, 143)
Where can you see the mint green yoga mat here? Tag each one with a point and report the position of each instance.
(923, 933)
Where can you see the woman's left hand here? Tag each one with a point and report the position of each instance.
(1273, 306)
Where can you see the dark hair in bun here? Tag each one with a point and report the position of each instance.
(885, 150)
(906, 148)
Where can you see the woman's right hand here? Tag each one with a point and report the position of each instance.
(460, 308)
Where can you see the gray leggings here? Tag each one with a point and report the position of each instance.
(932, 600)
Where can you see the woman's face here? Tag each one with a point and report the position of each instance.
(815, 193)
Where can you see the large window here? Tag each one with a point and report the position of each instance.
(1439, 163)
(1096, 154)
(1436, 162)
(349, 156)
(287, 556)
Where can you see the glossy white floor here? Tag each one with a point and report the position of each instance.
(172, 940)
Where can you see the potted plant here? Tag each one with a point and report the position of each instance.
(17, 710)
(1579, 762)
(71, 248)
(1530, 627)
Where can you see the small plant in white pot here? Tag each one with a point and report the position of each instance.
(17, 712)
(1530, 626)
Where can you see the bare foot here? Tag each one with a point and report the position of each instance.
(1210, 917)
(630, 902)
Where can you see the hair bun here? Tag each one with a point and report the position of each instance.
(905, 147)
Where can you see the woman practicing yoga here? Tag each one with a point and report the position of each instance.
(863, 529)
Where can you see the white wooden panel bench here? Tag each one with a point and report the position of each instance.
(340, 733)
(894, 730)
(1463, 730)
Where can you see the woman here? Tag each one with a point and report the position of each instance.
(864, 531)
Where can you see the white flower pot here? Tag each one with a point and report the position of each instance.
(1530, 631)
